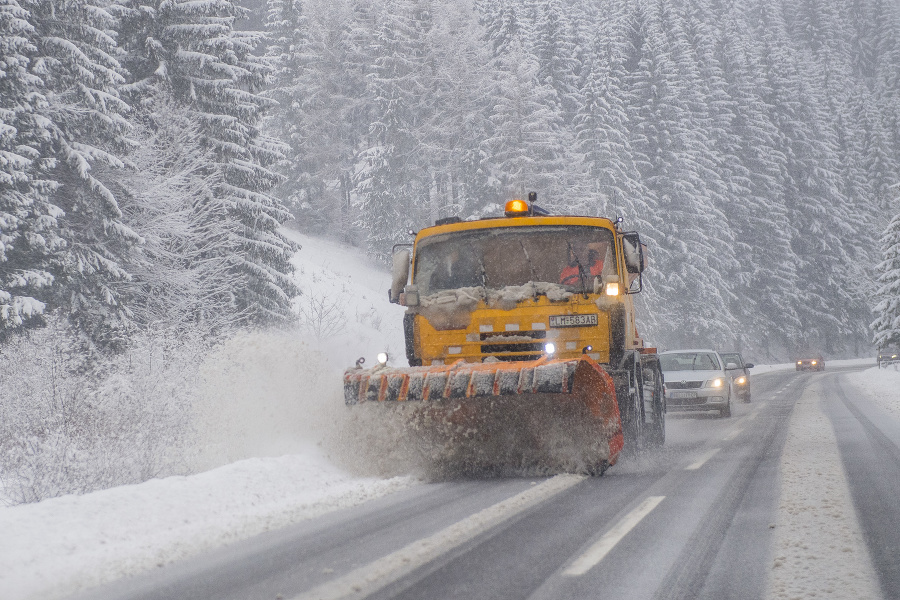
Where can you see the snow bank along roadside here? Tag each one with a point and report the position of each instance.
(273, 436)
(60, 546)
(881, 385)
(818, 546)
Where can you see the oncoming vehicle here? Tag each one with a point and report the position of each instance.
(888, 356)
(522, 345)
(811, 363)
(740, 373)
(696, 380)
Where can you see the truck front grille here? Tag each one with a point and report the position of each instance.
(508, 345)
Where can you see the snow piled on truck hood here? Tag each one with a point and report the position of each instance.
(273, 452)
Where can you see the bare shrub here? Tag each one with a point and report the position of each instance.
(73, 425)
(321, 315)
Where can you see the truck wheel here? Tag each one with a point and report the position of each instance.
(630, 399)
(654, 396)
(597, 469)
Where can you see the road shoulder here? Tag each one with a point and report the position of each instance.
(818, 545)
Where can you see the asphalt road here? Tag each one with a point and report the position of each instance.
(691, 521)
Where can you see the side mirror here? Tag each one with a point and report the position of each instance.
(399, 274)
(634, 252)
(749, 365)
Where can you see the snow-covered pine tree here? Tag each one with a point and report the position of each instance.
(188, 52)
(886, 326)
(76, 62)
(528, 146)
(693, 256)
(299, 86)
(614, 185)
(762, 230)
(454, 109)
(555, 51)
(29, 240)
(393, 181)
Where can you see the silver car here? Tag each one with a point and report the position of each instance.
(696, 381)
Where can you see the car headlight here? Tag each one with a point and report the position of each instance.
(813, 362)
(799, 362)
(715, 383)
(741, 380)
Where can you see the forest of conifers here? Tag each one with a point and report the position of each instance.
(150, 149)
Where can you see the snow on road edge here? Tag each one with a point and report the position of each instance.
(60, 546)
(818, 546)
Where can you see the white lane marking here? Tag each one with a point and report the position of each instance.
(372, 577)
(733, 434)
(701, 460)
(753, 415)
(601, 547)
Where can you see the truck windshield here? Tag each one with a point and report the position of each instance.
(570, 256)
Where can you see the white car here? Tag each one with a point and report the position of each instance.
(696, 381)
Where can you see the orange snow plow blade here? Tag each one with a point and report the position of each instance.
(547, 415)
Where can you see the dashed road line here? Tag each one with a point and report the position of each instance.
(366, 580)
(732, 435)
(701, 460)
(608, 541)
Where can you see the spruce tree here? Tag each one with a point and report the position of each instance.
(29, 241)
(886, 326)
(76, 61)
(188, 52)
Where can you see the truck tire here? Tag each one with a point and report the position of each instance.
(629, 396)
(654, 396)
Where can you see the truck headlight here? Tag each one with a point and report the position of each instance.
(382, 358)
(550, 348)
(741, 380)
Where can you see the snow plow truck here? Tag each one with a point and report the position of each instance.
(522, 344)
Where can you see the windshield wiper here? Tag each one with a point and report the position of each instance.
(582, 275)
(483, 277)
(534, 293)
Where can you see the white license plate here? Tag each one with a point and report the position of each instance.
(589, 320)
(682, 395)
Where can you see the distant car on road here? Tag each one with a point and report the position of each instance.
(811, 363)
(888, 356)
(740, 373)
(696, 381)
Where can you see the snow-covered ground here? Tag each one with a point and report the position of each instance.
(881, 385)
(276, 418)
